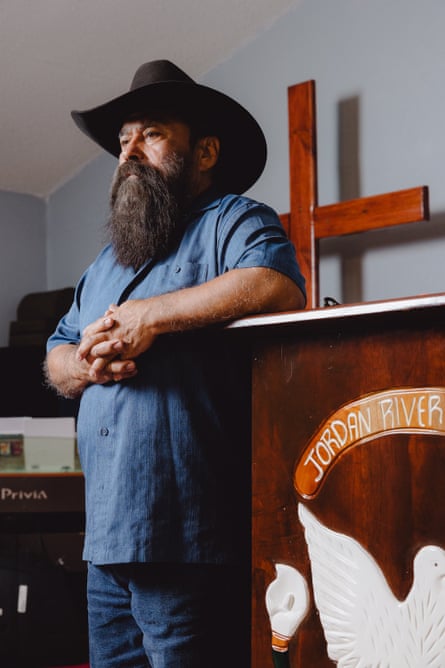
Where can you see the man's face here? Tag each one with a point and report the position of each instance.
(153, 183)
(151, 141)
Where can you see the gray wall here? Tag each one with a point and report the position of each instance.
(22, 253)
(379, 68)
(76, 215)
(381, 65)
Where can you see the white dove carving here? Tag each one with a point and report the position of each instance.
(365, 625)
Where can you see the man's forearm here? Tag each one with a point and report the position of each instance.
(64, 372)
(240, 292)
(232, 295)
(235, 294)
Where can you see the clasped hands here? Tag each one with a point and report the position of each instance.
(110, 345)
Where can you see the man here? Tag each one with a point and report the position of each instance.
(164, 412)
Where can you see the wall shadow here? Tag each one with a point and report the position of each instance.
(352, 248)
(349, 187)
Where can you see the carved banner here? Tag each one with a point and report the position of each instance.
(401, 410)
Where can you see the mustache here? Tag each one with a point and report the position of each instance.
(146, 176)
(133, 168)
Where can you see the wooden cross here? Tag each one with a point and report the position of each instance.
(307, 222)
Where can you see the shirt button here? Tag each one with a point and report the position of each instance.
(177, 270)
(104, 431)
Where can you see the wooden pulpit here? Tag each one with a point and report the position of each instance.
(348, 458)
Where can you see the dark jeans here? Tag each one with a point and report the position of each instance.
(168, 615)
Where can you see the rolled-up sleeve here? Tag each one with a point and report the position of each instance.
(252, 236)
(68, 328)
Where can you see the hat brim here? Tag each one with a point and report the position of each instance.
(243, 145)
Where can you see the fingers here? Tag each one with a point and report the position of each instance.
(108, 349)
(103, 371)
(123, 370)
(111, 309)
(96, 346)
(103, 353)
(100, 325)
(96, 333)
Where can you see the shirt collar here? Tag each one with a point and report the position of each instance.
(207, 200)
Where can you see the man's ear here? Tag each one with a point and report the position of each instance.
(208, 152)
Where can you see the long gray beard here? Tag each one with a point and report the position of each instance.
(146, 207)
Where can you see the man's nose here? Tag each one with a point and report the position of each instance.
(132, 149)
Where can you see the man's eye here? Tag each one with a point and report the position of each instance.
(123, 141)
(151, 134)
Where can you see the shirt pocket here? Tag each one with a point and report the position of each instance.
(185, 275)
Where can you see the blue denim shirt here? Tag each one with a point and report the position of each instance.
(165, 454)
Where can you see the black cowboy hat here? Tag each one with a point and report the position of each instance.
(160, 86)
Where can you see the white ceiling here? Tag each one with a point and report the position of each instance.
(58, 55)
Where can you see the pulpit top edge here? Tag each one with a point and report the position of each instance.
(362, 309)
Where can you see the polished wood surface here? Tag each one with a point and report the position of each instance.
(370, 213)
(303, 180)
(385, 493)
